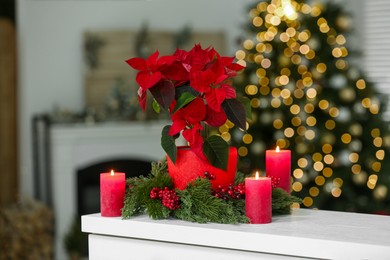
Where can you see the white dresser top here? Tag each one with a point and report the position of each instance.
(307, 233)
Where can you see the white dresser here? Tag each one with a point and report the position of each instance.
(313, 234)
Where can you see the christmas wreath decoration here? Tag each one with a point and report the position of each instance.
(155, 196)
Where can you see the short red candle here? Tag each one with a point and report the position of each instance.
(278, 166)
(112, 193)
(258, 199)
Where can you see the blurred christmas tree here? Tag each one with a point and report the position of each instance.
(306, 96)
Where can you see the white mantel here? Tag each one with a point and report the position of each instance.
(312, 234)
(77, 146)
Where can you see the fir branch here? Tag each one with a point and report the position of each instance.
(156, 210)
(282, 201)
(240, 178)
(132, 204)
(160, 180)
(234, 212)
(159, 167)
(239, 206)
(196, 202)
(138, 201)
(199, 205)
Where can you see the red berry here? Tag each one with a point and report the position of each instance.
(155, 193)
(170, 199)
(230, 191)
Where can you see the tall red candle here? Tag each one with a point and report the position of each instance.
(112, 193)
(278, 167)
(258, 199)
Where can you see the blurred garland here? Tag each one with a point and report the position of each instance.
(155, 196)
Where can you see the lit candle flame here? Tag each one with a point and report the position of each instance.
(277, 149)
(112, 172)
(257, 175)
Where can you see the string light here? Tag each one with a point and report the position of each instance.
(242, 151)
(308, 202)
(289, 10)
(327, 172)
(226, 136)
(361, 84)
(314, 191)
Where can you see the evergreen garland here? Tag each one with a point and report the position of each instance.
(281, 202)
(199, 205)
(137, 199)
(197, 202)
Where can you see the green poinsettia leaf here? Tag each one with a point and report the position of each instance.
(164, 93)
(247, 105)
(216, 151)
(156, 106)
(185, 89)
(183, 100)
(168, 143)
(235, 112)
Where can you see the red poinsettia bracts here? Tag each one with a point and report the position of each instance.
(189, 117)
(150, 73)
(150, 69)
(196, 88)
(214, 118)
(212, 83)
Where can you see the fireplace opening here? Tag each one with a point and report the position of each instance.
(88, 180)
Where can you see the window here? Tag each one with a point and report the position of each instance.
(377, 46)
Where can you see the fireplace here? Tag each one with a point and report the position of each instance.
(76, 148)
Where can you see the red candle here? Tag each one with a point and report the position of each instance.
(258, 199)
(278, 167)
(112, 193)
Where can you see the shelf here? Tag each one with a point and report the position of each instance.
(304, 233)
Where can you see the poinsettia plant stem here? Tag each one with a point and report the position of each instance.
(206, 131)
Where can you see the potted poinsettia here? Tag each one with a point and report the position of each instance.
(195, 87)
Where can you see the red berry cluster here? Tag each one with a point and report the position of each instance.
(209, 176)
(274, 181)
(230, 191)
(168, 197)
